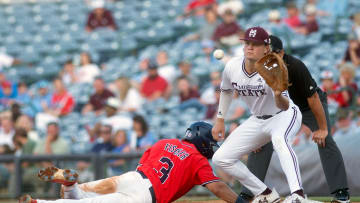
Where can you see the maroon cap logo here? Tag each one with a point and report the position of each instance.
(257, 34)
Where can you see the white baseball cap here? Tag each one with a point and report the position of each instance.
(113, 102)
(97, 4)
(326, 74)
(274, 15)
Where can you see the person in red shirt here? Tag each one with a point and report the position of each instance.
(227, 33)
(61, 102)
(347, 96)
(293, 19)
(154, 86)
(98, 99)
(100, 18)
(197, 7)
(166, 171)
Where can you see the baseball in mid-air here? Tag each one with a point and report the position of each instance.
(218, 54)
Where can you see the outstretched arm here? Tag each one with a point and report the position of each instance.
(222, 191)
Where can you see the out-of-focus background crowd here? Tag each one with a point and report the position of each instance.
(115, 76)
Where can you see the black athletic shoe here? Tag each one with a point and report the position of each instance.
(341, 196)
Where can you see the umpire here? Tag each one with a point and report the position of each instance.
(312, 102)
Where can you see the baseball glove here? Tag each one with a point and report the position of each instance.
(273, 69)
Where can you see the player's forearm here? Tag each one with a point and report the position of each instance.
(224, 103)
(222, 191)
(318, 111)
(281, 102)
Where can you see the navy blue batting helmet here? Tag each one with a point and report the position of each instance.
(199, 134)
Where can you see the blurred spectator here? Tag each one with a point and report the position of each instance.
(208, 96)
(236, 7)
(208, 48)
(197, 7)
(227, 33)
(111, 119)
(332, 8)
(153, 86)
(310, 25)
(15, 110)
(346, 80)
(9, 94)
(121, 145)
(165, 69)
(7, 131)
(211, 108)
(185, 71)
(7, 61)
(67, 74)
(189, 97)
(23, 96)
(345, 125)
(356, 25)
(207, 29)
(293, 19)
(100, 17)
(103, 142)
(141, 137)
(276, 25)
(42, 97)
(26, 123)
(352, 53)
(328, 85)
(61, 102)
(52, 144)
(129, 97)
(87, 71)
(25, 144)
(98, 99)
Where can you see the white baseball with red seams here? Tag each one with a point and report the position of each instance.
(256, 132)
(219, 54)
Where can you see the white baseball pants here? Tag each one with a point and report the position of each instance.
(129, 187)
(253, 134)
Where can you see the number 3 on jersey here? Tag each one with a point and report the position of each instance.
(165, 169)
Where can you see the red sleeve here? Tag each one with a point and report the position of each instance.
(69, 104)
(164, 84)
(110, 18)
(205, 173)
(88, 23)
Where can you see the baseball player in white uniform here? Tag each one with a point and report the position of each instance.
(274, 118)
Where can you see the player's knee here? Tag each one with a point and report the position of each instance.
(219, 160)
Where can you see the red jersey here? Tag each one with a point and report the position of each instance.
(150, 86)
(63, 101)
(174, 167)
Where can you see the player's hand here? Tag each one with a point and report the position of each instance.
(257, 150)
(319, 137)
(218, 131)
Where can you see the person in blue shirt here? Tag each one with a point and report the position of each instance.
(141, 138)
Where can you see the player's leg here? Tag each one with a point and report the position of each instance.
(330, 155)
(129, 187)
(258, 164)
(280, 133)
(108, 198)
(241, 141)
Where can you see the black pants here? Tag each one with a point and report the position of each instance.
(330, 155)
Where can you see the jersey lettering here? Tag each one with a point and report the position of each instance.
(165, 171)
(179, 152)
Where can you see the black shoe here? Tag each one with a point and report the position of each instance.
(246, 197)
(341, 196)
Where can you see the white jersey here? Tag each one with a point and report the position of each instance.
(252, 88)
